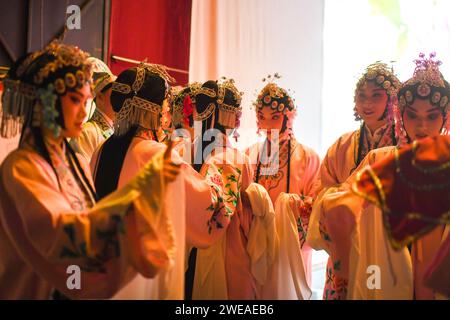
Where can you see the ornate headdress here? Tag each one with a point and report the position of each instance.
(137, 97)
(42, 77)
(182, 104)
(426, 83)
(226, 98)
(382, 76)
(278, 99)
(102, 75)
(229, 101)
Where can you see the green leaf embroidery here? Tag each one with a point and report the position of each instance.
(337, 265)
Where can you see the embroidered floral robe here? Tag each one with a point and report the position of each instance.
(304, 181)
(203, 214)
(351, 231)
(223, 271)
(48, 224)
(338, 164)
(406, 191)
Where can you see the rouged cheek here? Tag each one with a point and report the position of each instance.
(380, 106)
(435, 126)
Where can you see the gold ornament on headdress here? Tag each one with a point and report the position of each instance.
(20, 97)
(383, 76)
(229, 115)
(136, 110)
(67, 56)
(427, 82)
(271, 93)
(102, 75)
(178, 101)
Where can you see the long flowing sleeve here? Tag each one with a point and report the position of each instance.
(308, 174)
(126, 232)
(262, 240)
(334, 220)
(223, 269)
(351, 227)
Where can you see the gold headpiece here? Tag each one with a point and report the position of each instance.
(136, 110)
(66, 69)
(383, 76)
(274, 96)
(427, 82)
(102, 75)
(229, 114)
(183, 101)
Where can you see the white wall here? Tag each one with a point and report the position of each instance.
(360, 32)
(247, 40)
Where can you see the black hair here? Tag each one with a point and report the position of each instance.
(413, 89)
(26, 69)
(202, 102)
(283, 99)
(443, 91)
(107, 172)
(153, 88)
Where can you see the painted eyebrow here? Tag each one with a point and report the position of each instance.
(275, 112)
(81, 95)
(433, 110)
(428, 111)
(410, 107)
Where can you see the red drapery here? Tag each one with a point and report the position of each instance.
(158, 30)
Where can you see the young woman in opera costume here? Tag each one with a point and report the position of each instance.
(50, 217)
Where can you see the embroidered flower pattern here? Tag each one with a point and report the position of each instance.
(226, 182)
(335, 286)
(111, 248)
(303, 221)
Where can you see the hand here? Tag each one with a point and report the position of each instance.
(170, 169)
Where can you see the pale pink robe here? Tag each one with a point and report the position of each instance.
(46, 227)
(198, 194)
(424, 249)
(337, 216)
(304, 181)
(337, 165)
(223, 271)
(198, 190)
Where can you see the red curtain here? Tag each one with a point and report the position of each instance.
(158, 30)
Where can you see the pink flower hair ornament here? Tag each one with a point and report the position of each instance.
(427, 82)
(188, 109)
